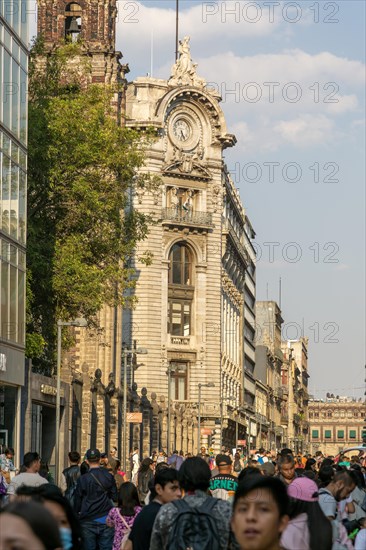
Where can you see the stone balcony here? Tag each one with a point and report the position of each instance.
(179, 216)
(180, 340)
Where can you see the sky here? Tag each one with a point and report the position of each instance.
(291, 76)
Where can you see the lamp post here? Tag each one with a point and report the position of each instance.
(80, 322)
(125, 353)
(208, 385)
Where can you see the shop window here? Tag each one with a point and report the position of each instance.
(8, 414)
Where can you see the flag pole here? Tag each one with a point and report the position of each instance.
(176, 29)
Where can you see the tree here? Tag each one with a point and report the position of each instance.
(83, 168)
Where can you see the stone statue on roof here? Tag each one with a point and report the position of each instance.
(184, 70)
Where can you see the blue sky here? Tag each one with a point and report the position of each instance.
(321, 136)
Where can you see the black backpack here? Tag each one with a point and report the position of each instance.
(194, 528)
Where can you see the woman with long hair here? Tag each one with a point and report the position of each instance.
(123, 516)
(308, 528)
(144, 475)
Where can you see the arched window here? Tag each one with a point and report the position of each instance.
(72, 21)
(180, 265)
(180, 292)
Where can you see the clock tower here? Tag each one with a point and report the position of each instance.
(93, 23)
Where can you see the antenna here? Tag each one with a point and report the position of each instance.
(176, 28)
(152, 53)
(280, 292)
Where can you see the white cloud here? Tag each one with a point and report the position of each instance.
(306, 130)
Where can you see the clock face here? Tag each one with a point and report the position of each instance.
(181, 130)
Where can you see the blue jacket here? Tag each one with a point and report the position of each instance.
(93, 500)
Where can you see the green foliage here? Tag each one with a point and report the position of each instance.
(82, 228)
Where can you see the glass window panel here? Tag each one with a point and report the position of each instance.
(6, 145)
(5, 195)
(328, 434)
(14, 200)
(13, 329)
(315, 433)
(25, 8)
(181, 381)
(340, 434)
(23, 59)
(21, 307)
(6, 89)
(22, 207)
(7, 39)
(12, 258)
(352, 434)
(16, 51)
(1, 80)
(16, 15)
(176, 273)
(23, 108)
(187, 320)
(4, 299)
(21, 259)
(22, 159)
(8, 414)
(15, 97)
(176, 253)
(14, 152)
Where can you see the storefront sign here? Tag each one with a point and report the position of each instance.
(241, 442)
(206, 431)
(134, 418)
(50, 390)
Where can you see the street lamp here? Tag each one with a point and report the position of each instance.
(125, 353)
(80, 322)
(208, 385)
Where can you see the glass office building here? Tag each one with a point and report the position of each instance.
(13, 180)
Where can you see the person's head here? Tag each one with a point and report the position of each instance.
(161, 466)
(166, 486)
(261, 451)
(104, 459)
(194, 474)
(327, 462)
(268, 469)
(146, 465)
(357, 476)
(93, 457)
(325, 475)
(304, 499)
(248, 471)
(342, 485)
(25, 525)
(74, 457)
(224, 464)
(9, 453)
(310, 464)
(259, 513)
(128, 498)
(113, 452)
(175, 452)
(203, 450)
(286, 467)
(32, 462)
(60, 508)
(286, 451)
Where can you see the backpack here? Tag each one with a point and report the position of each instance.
(194, 528)
(127, 533)
(260, 460)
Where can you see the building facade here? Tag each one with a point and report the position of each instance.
(190, 312)
(335, 424)
(13, 177)
(269, 363)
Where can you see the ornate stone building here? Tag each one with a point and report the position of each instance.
(190, 312)
(335, 423)
(91, 397)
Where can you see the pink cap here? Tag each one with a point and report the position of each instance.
(303, 488)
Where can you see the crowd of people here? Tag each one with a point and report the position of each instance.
(265, 501)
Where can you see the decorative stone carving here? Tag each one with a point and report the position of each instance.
(183, 162)
(216, 197)
(184, 70)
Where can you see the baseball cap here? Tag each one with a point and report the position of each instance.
(93, 454)
(223, 460)
(103, 455)
(303, 488)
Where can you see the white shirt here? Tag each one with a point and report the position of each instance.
(26, 478)
(360, 542)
